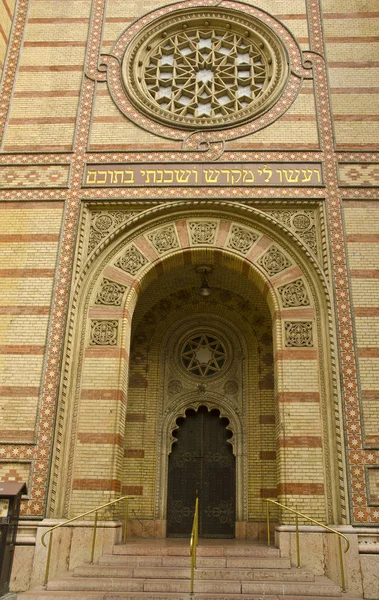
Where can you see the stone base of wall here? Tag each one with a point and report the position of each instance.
(319, 553)
(318, 550)
(71, 547)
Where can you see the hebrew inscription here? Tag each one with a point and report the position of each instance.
(225, 174)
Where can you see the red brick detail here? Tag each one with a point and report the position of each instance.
(300, 441)
(132, 490)
(100, 438)
(19, 391)
(364, 273)
(296, 354)
(267, 455)
(298, 397)
(95, 394)
(372, 440)
(268, 492)
(111, 485)
(138, 381)
(105, 352)
(368, 352)
(181, 228)
(24, 310)
(367, 311)
(24, 435)
(134, 453)
(295, 313)
(370, 395)
(301, 489)
(31, 205)
(27, 273)
(28, 237)
(136, 418)
(22, 349)
(363, 237)
(42, 120)
(267, 419)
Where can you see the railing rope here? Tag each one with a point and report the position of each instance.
(94, 510)
(299, 514)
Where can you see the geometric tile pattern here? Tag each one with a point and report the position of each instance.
(34, 176)
(358, 174)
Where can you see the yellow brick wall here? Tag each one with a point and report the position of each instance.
(46, 93)
(6, 18)
(352, 47)
(29, 236)
(362, 227)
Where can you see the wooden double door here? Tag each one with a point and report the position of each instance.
(202, 464)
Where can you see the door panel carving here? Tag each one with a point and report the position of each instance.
(201, 463)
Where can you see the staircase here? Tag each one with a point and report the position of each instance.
(160, 570)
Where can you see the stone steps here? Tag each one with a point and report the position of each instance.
(160, 570)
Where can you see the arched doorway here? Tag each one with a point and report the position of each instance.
(202, 464)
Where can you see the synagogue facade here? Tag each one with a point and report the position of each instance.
(189, 297)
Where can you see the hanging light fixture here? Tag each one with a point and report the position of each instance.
(204, 290)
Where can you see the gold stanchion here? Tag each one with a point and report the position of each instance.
(48, 560)
(94, 539)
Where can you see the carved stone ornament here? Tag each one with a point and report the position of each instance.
(110, 293)
(231, 388)
(199, 67)
(241, 239)
(203, 232)
(203, 354)
(164, 239)
(104, 333)
(102, 223)
(273, 261)
(131, 261)
(301, 223)
(175, 387)
(298, 334)
(294, 294)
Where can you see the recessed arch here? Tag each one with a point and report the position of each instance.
(255, 236)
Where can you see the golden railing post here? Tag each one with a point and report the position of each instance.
(125, 528)
(268, 524)
(94, 539)
(297, 542)
(343, 586)
(48, 560)
(193, 543)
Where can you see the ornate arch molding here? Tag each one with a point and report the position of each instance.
(168, 424)
(149, 221)
(159, 215)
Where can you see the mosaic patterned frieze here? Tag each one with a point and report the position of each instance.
(274, 261)
(351, 175)
(298, 334)
(241, 239)
(110, 293)
(164, 239)
(20, 176)
(131, 261)
(104, 333)
(301, 223)
(294, 294)
(202, 232)
(103, 223)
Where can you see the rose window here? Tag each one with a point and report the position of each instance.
(203, 355)
(202, 68)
